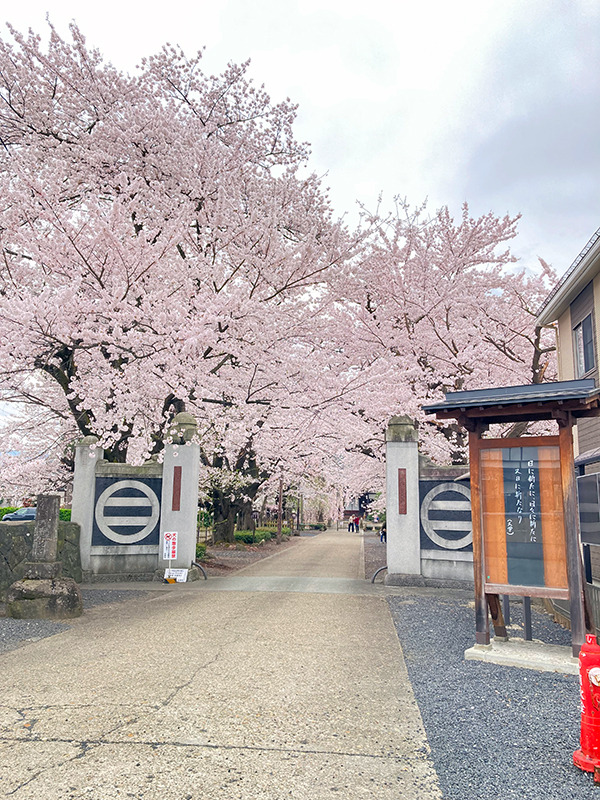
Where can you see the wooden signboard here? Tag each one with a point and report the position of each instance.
(524, 498)
(522, 517)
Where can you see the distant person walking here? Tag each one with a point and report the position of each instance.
(357, 524)
(383, 533)
(351, 525)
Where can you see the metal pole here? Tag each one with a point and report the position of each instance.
(587, 563)
(527, 618)
(506, 608)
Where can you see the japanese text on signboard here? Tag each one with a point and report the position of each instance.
(525, 501)
(524, 547)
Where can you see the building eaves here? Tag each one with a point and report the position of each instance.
(576, 278)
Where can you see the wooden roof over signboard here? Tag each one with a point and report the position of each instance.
(531, 402)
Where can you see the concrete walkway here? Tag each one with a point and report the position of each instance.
(262, 685)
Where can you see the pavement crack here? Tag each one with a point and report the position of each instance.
(173, 694)
(160, 704)
(84, 748)
(67, 706)
(88, 744)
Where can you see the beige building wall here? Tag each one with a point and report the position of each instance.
(596, 283)
(587, 431)
(566, 364)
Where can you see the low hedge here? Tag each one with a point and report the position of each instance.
(64, 514)
(259, 535)
(249, 537)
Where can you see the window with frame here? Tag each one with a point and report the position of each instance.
(583, 335)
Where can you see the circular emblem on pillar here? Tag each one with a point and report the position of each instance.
(446, 508)
(127, 511)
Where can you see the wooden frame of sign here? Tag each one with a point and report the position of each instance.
(524, 499)
(519, 541)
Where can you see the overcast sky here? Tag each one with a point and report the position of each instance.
(495, 102)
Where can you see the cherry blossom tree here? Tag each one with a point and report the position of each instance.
(160, 248)
(443, 305)
(163, 246)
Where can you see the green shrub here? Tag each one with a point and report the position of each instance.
(259, 535)
(252, 538)
(200, 551)
(7, 510)
(272, 531)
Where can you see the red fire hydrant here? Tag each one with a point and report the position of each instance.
(588, 756)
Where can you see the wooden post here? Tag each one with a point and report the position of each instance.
(280, 510)
(571, 517)
(482, 625)
(493, 601)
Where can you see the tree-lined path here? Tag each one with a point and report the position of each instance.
(222, 690)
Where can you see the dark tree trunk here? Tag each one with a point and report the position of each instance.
(224, 529)
(227, 510)
(224, 517)
(117, 454)
(244, 515)
(244, 507)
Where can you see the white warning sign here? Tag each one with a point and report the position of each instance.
(170, 546)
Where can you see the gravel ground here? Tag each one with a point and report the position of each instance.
(15, 632)
(495, 732)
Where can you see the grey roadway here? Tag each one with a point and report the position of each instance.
(285, 680)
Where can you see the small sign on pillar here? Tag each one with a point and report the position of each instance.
(402, 491)
(170, 546)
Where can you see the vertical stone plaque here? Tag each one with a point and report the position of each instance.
(402, 491)
(45, 537)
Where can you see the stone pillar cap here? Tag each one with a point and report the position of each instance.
(88, 440)
(185, 425)
(402, 419)
(401, 429)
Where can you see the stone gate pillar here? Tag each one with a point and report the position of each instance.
(402, 505)
(87, 456)
(181, 469)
